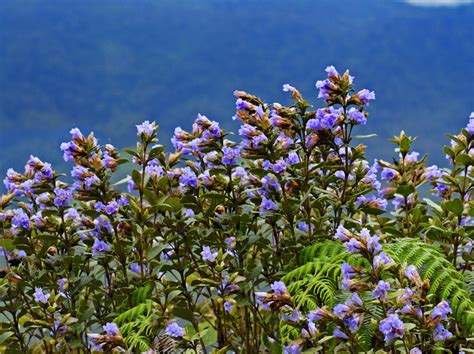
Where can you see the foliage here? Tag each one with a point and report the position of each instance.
(191, 256)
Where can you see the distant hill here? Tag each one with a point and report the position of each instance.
(107, 65)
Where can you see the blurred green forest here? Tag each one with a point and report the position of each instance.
(108, 65)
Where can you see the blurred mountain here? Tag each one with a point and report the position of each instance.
(108, 65)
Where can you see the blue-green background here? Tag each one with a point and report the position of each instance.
(108, 65)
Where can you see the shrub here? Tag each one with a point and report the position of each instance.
(225, 245)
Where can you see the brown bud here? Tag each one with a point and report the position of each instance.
(5, 200)
(52, 251)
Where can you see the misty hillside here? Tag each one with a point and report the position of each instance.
(108, 65)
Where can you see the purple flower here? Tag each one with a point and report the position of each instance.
(357, 117)
(292, 158)
(442, 310)
(41, 296)
(188, 178)
(21, 220)
(354, 301)
(62, 197)
(341, 310)
(208, 255)
(294, 316)
(279, 166)
(411, 273)
(146, 129)
(89, 181)
(325, 88)
(406, 295)
(339, 334)
(340, 174)
(71, 213)
(470, 125)
(316, 315)
(70, 150)
(388, 174)
(441, 189)
(99, 247)
(392, 327)
(135, 267)
(380, 291)
(289, 88)
(415, 351)
(342, 233)
(230, 155)
(228, 305)
(412, 157)
(353, 246)
(440, 333)
(111, 208)
(293, 348)
(303, 226)
(381, 259)
(366, 96)
(267, 205)
(432, 172)
(373, 244)
(348, 273)
(353, 322)
(111, 329)
(279, 288)
(332, 72)
(174, 330)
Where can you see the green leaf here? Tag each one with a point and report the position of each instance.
(364, 136)
(5, 335)
(122, 181)
(464, 159)
(455, 206)
(405, 190)
(183, 313)
(7, 244)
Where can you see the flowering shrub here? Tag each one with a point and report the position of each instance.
(286, 239)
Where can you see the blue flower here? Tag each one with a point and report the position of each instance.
(389, 174)
(342, 233)
(230, 155)
(381, 259)
(41, 296)
(111, 329)
(188, 178)
(146, 129)
(208, 255)
(339, 334)
(440, 333)
(279, 288)
(341, 310)
(62, 197)
(366, 96)
(174, 330)
(380, 291)
(99, 247)
(21, 220)
(228, 305)
(392, 327)
(267, 205)
(294, 316)
(470, 125)
(293, 348)
(353, 246)
(412, 274)
(356, 116)
(442, 310)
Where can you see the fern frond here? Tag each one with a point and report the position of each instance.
(446, 283)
